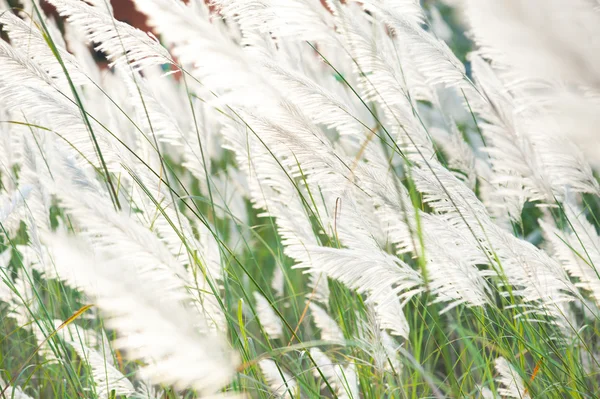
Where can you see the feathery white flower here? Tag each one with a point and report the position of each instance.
(330, 330)
(578, 248)
(431, 56)
(122, 43)
(105, 376)
(29, 93)
(343, 379)
(269, 320)
(511, 383)
(10, 208)
(383, 277)
(150, 318)
(26, 36)
(536, 278)
(281, 383)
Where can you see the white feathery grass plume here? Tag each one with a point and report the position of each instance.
(269, 102)
(160, 215)
(14, 392)
(122, 43)
(210, 250)
(382, 277)
(176, 232)
(390, 348)
(27, 90)
(496, 204)
(348, 214)
(288, 33)
(150, 317)
(5, 291)
(377, 343)
(19, 295)
(202, 143)
(372, 49)
(452, 255)
(577, 248)
(451, 252)
(151, 193)
(103, 4)
(153, 117)
(105, 376)
(34, 257)
(33, 172)
(281, 383)
(248, 14)
(330, 330)
(527, 162)
(228, 190)
(10, 208)
(29, 11)
(431, 57)
(275, 116)
(145, 390)
(161, 256)
(393, 84)
(109, 230)
(26, 36)
(320, 105)
(327, 103)
(537, 279)
(455, 278)
(205, 300)
(74, 334)
(516, 170)
(485, 392)
(230, 196)
(29, 6)
(343, 379)
(278, 280)
(282, 115)
(389, 312)
(78, 46)
(223, 66)
(270, 189)
(203, 275)
(297, 237)
(305, 20)
(269, 320)
(511, 383)
(309, 256)
(298, 144)
(566, 164)
(460, 156)
(11, 150)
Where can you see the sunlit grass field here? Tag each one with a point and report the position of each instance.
(300, 199)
